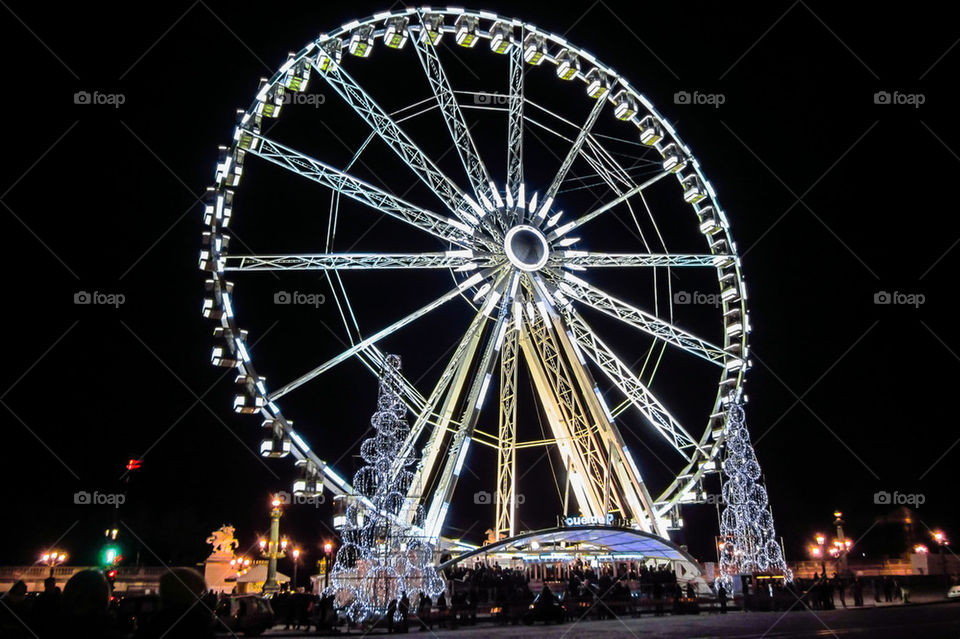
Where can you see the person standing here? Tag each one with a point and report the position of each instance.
(391, 613)
(404, 610)
(424, 608)
(722, 598)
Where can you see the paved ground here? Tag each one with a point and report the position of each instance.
(923, 621)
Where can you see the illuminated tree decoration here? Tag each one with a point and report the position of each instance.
(381, 557)
(746, 525)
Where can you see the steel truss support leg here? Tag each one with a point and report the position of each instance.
(573, 425)
(507, 437)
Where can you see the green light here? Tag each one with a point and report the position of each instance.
(110, 556)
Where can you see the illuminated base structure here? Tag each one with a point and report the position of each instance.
(550, 556)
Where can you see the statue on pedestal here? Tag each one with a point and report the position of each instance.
(217, 568)
(223, 542)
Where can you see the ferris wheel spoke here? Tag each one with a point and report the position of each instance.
(373, 339)
(461, 260)
(515, 124)
(572, 154)
(458, 202)
(456, 123)
(437, 225)
(436, 417)
(460, 441)
(583, 219)
(630, 385)
(598, 260)
(579, 290)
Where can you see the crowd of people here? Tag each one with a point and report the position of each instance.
(83, 609)
(300, 610)
(584, 590)
(823, 592)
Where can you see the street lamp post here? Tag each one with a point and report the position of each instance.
(52, 559)
(296, 564)
(941, 540)
(274, 548)
(327, 552)
(842, 546)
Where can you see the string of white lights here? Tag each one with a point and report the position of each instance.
(748, 539)
(380, 560)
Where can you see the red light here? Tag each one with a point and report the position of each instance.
(112, 574)
(134, 464)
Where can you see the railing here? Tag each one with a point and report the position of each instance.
(42, 572)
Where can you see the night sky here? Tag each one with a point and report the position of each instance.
(832, 198)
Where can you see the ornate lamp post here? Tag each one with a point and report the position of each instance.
(328, 555)
(274, 548)
(941, 539)
(296, 565)
(53, 558)
(843, 546)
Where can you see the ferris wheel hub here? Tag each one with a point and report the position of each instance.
(526, 247)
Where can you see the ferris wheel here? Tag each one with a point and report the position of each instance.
(523, 235)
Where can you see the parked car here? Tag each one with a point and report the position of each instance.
(954, 592)
(249, 614)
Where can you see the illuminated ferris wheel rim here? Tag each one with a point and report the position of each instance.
(537, 46)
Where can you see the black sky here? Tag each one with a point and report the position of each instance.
(832, 199)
